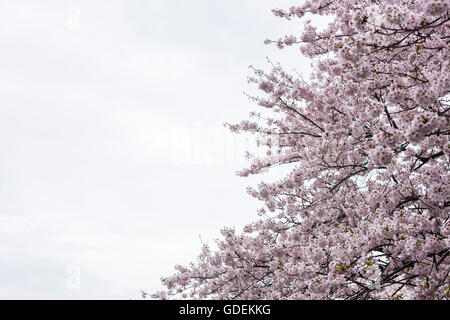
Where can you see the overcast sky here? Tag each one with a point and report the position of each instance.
(114, 158)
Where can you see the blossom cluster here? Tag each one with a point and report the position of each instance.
(366, 139)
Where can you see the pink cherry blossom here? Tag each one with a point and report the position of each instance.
(364, 211)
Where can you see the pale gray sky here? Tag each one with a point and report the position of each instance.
(114, 157)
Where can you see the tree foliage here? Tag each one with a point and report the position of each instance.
(364, 212)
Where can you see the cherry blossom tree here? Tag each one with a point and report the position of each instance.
(364, 210)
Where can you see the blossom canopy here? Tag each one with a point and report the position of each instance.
(364, 211)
